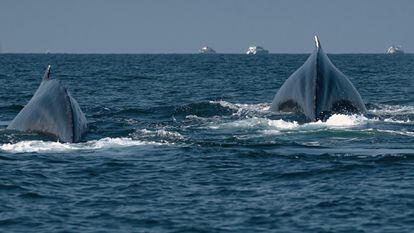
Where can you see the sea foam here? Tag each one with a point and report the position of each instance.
(39, 146)
(335, 121)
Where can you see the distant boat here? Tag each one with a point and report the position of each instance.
(395, 50)
(257, 50)
(207, 50)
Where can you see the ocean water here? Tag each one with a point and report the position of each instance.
(186, 143)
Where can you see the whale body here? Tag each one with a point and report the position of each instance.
(52, 111)
(318, 89)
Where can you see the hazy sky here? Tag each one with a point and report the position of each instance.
(183, 26)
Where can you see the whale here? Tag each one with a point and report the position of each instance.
(52, 111)
(317, 90)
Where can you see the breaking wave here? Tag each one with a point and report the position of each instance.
(160, 133)
(383, 109)
(335, 121)
(39, 146)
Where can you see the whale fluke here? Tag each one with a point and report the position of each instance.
(318, 89)
(52, 111)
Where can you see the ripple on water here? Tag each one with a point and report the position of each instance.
(186, 143)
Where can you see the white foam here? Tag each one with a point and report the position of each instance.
(162, 133)
(398, 121)
(256, 122)
(275, 126)
(194, 117)
(225, 104)
(336, 121)
(393, 110)
(39, 146)
(260, 107)
(340, 120)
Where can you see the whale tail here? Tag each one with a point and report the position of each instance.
(52, 111)
(317, 89)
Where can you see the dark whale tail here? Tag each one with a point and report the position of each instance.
(52, 111)
(318, 89)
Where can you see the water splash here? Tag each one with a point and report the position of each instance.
(383, 109)
(335, 121)
(39, 146)
(160, 133)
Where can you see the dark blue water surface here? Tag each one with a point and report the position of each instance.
(185, 143)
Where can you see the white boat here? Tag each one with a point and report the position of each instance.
(207, 50)
(257, 50)
(395, 50)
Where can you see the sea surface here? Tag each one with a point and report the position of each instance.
(186, 143)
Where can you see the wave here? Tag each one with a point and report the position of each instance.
(383, 109)
(234, 118)
(396, 132)
(4, 123)
(377, 109)
(204, 109)
(335, 121)
(343, 121)
(39, 146)
(391, 120)
(257, 123)
(160, 133)
(12, 107)
(243, 108)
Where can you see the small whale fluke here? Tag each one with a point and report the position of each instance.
(52, 111)
(318, 89)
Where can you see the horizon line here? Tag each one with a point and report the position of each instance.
(174, 53)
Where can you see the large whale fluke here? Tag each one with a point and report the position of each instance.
(318, 89)
(52, 111)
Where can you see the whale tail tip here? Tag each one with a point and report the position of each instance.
(317, 42)
(46, 76)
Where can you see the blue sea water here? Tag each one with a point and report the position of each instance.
(186, 143)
